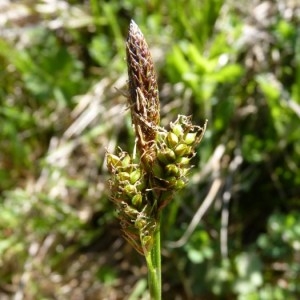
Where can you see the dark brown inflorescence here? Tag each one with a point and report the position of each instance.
(143, 93)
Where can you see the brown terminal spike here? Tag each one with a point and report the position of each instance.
(143, 93)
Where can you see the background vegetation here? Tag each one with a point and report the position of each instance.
(235, 63)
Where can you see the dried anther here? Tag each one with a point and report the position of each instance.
(143, 90)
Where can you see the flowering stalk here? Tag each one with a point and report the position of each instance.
(142, 185)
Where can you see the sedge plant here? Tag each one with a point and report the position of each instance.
(143, 183)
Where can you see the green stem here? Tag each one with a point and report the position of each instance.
(153, 259)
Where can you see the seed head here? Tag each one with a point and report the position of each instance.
(142, 185)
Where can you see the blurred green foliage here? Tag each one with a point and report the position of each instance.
(235, 64)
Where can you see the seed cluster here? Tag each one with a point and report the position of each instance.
(175, 149)
(129, 194)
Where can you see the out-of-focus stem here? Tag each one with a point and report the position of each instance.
(153, 259)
